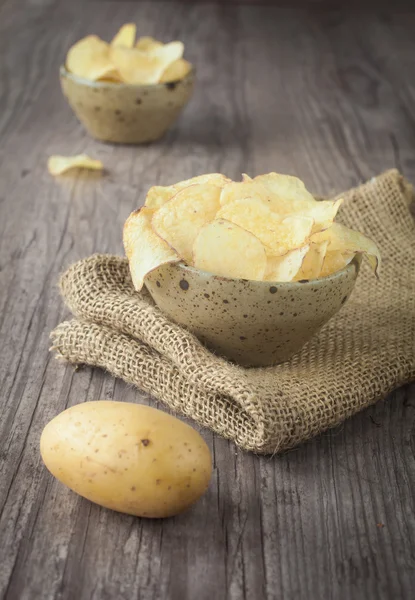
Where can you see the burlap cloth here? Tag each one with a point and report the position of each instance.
(363, 353)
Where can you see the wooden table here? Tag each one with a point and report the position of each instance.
(329, 96)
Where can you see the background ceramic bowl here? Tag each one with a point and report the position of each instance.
(123, 113)
(254, 323)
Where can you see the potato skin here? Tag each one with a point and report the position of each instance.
(128, 457)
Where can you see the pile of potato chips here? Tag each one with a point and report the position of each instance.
(125, 60)
(269, 228)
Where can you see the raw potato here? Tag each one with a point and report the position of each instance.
(127, 457)
(145, 250)
(179, 221)
(225, 249)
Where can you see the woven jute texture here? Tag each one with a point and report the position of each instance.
(363, 353)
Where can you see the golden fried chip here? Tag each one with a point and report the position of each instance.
(125, 36)
(146, 43)
(212, 178)
(244, 189)
(335, 261)
(285, 268)
(287, 195)
(279, 234)
(179, 220)
(313, 261)
(145, 250)
(176, 71)
(225, 249)
(323, 213)
(144, 68)
(111, 77)
(159, 195)
(284, 186)
(60, 164)
(246, 178)
(343, 239)
(89, 58)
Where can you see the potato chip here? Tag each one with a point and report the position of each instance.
(144, 68)
(90, 58)
(313, 261)
(343, 239)
(212, 178)
(179, 221)
(60, 164)
(225, 249)
(284, 186)
(246, 178)
(335, 261)
(323, 213)
(125, 36)
(176, 71)
(287, 195)
(146, 43)
(159, 195)
(279, 234)
(145, 250)
(285, 268)
(111, 77)
(244, 189)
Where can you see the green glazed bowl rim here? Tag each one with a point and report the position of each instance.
(63, 71)
(354, 263)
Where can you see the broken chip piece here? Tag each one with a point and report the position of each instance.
(57, 165)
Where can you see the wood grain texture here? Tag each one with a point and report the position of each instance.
(329, 96)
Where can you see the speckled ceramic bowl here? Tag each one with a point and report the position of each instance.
(254, 323)
(126, 114)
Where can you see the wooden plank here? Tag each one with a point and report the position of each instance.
(328, 96)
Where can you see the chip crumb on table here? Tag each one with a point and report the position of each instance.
(58, 165)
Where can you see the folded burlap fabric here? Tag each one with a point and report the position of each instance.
(363, 353)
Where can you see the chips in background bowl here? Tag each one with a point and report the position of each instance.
(124, 60)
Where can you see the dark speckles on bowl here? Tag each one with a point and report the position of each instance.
(265, 326)
(184, 284)
(127, 114)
